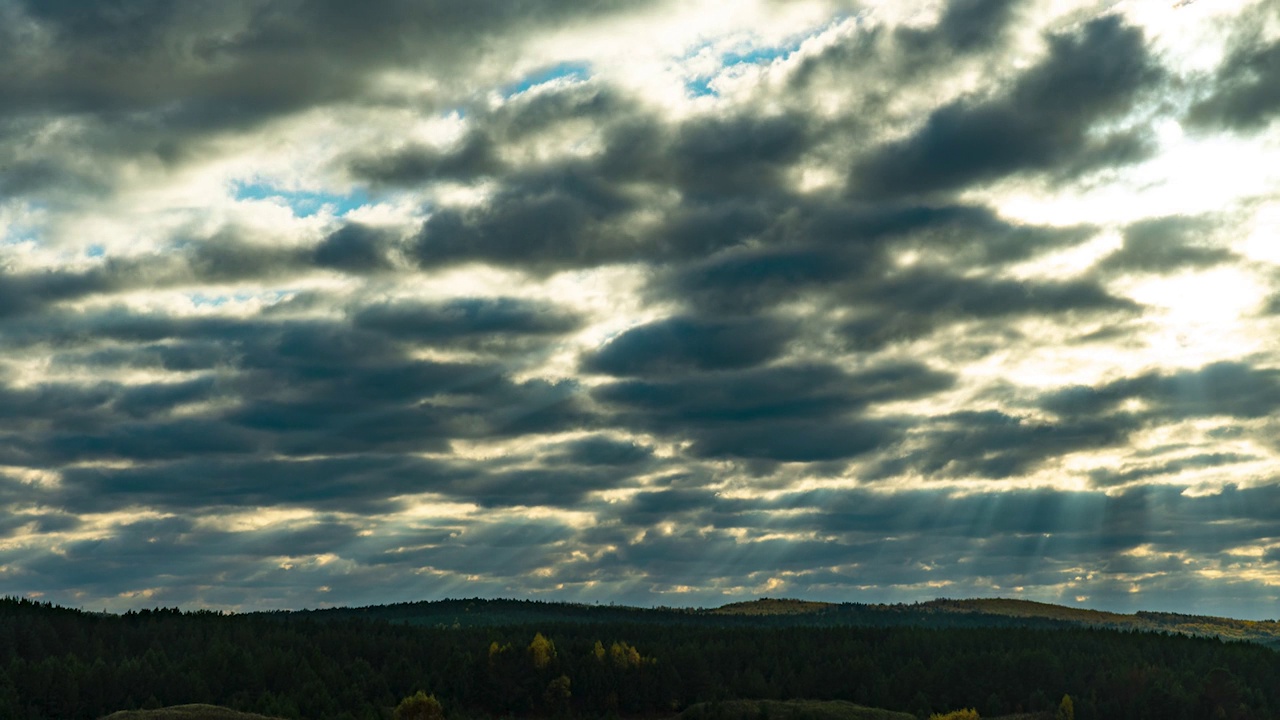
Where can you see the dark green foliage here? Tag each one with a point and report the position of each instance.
(57, 663)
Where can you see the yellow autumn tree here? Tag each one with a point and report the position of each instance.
(542, 651)
(966, 714)
(624, 655)
(419, 706)
(1066, 709)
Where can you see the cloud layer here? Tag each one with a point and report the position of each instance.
(303, 306)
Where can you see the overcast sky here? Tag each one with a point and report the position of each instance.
(313, 302)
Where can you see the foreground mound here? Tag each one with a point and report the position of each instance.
(187, 712)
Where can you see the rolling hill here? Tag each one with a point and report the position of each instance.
(187, 712)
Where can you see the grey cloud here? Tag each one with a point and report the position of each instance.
(1166, 244)
(970, 24)
(680, 344)
(472, 159)
(1234, 389)
(357, 484)
(139, 554)
(1128, 474)
(562, 218)
(743, 155)
(239, 62)
(966, 26)
(224, 258)
(456, 320)
(912, 305)
(291, 386)
(600, 450)
(995, 445)
(354, 248)
(1040, 124)
(780, 413)
(1245, 91)
(170, 439)
(476, 154)
(849, 251)
(795, 440)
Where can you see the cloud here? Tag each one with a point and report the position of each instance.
(1165, 244)
(355, 306)
(1233, 389)
(1039, 124)
(781, 413)
(682, 343)
(1243, 90)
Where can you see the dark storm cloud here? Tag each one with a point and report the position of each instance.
(600, 450)
(476, 154)
(559, 487)
(503, 549)
(138, 554)
(680, 344)
(542, 222)
(1244, 92)
(970, 24)
(1110, 477)
(354, 248)
(847, 252)
(445, 322)
(966, 26)
(226, 65)
(291, 386)
(1041, 124)
(779, 413)
(1034, 537)
(1233, 389)
(364, 484)
(367, 483)
(1166, 244)
(473, 158)
(914, 304)
(996, 445)
(224, 258)
(738, 156)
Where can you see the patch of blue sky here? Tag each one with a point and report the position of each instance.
(214, 300)
(303, 203)
(746, 55)
(762, 55)
(19, 222)
(575, 71)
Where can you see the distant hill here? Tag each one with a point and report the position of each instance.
(808, 710)
(187, 712)
(1266, 632)
(773, 606)
(787, 612)
(788, 710)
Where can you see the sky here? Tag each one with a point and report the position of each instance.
(308, 303)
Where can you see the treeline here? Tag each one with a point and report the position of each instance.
(57, 663)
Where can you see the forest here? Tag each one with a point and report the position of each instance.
(562, 661)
